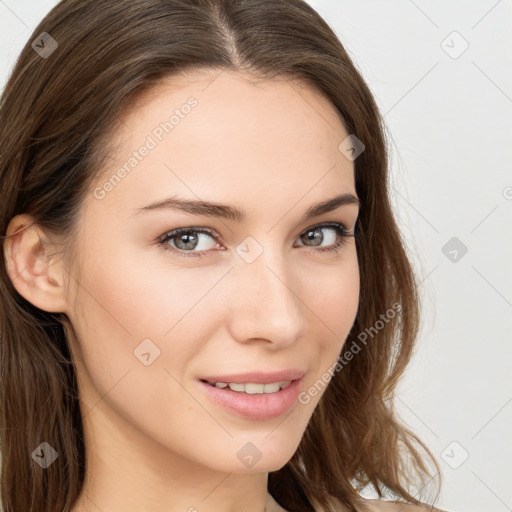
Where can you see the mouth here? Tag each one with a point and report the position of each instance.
(251, 388)
(255, 397)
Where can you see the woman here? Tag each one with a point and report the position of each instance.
(169, 341)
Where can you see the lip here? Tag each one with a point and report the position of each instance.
(258, 377)
(256, 407)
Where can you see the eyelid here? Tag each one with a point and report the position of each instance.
(177, 231)
(326, 224)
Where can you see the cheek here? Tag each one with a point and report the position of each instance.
(127, 308)
(332, 293)
(337, 295)
(332, 299)
(139, 298)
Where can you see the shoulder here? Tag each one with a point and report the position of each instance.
(397, 506)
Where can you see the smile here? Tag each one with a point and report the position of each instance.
(251, 400)
(252, 388)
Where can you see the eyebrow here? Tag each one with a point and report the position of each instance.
(223, 211)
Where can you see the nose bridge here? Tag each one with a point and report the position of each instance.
(267, 305)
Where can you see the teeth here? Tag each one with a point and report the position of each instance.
(252, 388)
(271, 388)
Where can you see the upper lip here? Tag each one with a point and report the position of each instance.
(258, 377)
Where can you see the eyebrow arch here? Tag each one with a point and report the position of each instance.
(223, 211)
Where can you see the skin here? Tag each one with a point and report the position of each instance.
(155, 441)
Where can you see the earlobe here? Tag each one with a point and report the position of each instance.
(33, 272)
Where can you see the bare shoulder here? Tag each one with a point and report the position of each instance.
(396, 506)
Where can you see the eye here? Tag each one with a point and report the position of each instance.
(185, 239)
(338, 236)
(193, 242)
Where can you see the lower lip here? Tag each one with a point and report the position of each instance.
(259, 406)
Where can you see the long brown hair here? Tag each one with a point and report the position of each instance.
(56, 114)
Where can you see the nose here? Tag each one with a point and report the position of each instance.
(266, 302)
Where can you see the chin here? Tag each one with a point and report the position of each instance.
(266, 451)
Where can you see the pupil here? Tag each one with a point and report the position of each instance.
(185, 239)
(314, 236)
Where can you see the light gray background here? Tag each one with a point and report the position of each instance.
(450, 116)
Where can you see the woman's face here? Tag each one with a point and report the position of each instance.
(155, 316)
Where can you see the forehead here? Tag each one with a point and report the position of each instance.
(230, 90)
(215, 133)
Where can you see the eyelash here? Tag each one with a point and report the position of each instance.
(340, 229)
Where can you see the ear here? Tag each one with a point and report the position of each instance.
(30, 266)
